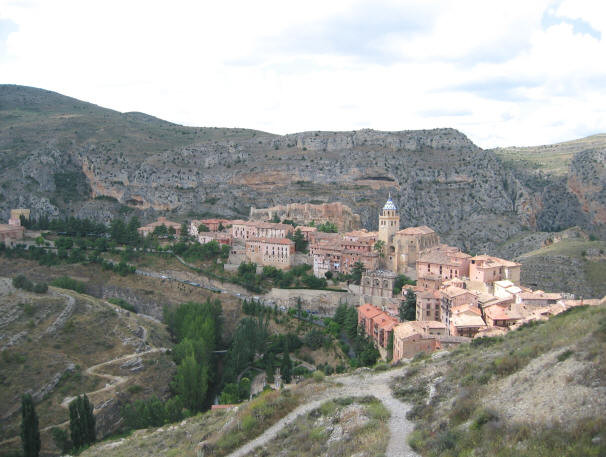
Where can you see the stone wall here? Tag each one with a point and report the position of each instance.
(324, 302)
(305, 213)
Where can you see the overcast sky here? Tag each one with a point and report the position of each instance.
(503, 72)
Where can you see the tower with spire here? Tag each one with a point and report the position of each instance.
(389, 222)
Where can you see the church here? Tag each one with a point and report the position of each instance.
(403, 247)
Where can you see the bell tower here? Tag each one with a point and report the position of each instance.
(389, 222)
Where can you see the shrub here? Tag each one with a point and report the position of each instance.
(41, 288)
(564, 355)
(65, 282)
(318, 376)
(122, 304)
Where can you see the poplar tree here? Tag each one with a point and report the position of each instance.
(82, 422)
(30, 431)
(286, 366)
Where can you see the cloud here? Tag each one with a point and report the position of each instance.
(6, 28)
(504, 73)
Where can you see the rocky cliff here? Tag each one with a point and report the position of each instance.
(59, 155)
(306, 213)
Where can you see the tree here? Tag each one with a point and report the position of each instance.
(275, 218)
(328, 275)
(30, 431)
(286, 365)
(408, 307)
(379, 248)
(357, 271)
(390, 347)
(328, 227)
(203, 228)
(191, 383)
(269, 366)
(299, 239)
(401, 281)
(81, 422)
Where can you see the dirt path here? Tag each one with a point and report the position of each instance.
(114, 381)
(356, 385)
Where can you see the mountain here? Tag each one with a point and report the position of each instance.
(61, 156)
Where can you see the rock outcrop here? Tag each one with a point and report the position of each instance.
(70, 157)
(305, 213)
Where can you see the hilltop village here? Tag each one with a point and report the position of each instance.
(413, 293)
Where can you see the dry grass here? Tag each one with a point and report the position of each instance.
(93, 334)
(541, 401)
(345, 426)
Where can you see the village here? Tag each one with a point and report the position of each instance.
(456, 296)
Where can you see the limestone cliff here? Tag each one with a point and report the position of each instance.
(305, 213)
(62, 156)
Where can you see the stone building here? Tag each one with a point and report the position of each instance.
(455, 296)
(413, 337)
(389, 223)
(378, 283)
(306, 213)
(16, 214)
(330, 252)
(377, 324)
(446, 262)
(409, 244)
(403, 247)
(275, 252)
(219, 237)
(487, 269)
(213, 225)
(149, 228)
(429, 304)
(245, 230)
(10, 234)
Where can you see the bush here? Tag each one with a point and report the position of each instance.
(318, 376)
(314, 339)
(41, 288)
(21, 282)
(122, 304)
(65, 282)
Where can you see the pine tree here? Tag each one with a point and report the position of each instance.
(286, 366)
(30, 432)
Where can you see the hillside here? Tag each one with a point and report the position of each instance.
(538, 391)
(61, 156)
(551, 159)
(61, 344)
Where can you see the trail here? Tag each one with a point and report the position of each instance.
(114, 381)
(356, 385)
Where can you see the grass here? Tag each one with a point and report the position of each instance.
(93, 335)
(340, 427)
(457, 421)
(550, 159)
(568, 247)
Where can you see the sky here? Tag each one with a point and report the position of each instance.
(520, 72)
